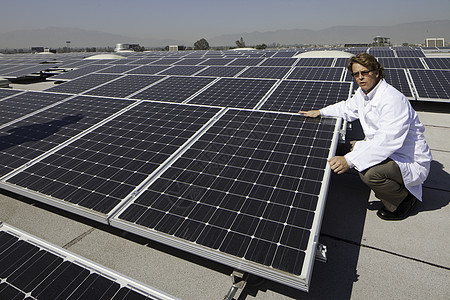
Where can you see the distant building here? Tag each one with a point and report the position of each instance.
(380, 41)
(173, 48)
(127, 47)
(42, 50)
(435, 42)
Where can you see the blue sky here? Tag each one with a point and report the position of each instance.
(187, 20)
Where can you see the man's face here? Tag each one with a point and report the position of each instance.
(366, 79)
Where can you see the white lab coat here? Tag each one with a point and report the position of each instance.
(392, 129)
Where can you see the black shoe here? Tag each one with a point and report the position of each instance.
(402, 211)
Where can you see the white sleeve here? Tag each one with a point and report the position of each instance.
(348, 110)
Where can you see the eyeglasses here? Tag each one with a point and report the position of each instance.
(363, 73)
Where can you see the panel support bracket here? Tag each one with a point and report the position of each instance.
(239, 280)
(321, 252)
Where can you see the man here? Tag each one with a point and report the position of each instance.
(394, 158)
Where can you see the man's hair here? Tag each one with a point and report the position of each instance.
(368, 61)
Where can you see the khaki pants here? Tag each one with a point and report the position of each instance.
(386, 180)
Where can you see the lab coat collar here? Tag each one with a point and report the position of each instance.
(372, 93)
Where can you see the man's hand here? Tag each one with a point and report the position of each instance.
(310, 113)
(338, 164)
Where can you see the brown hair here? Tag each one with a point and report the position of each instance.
(368, 61)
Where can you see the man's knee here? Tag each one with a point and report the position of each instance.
(377, 174)
(370, 176)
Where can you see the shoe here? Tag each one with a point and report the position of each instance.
(402, 211)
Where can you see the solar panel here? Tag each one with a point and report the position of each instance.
(217, 61)
(248, 193)
(96, 172)
(234, 92)
(265, 72)
(182, 70)
(191, 61)
(26, 139)
(120, 69)
(144, 61)
(124, 86)
(79, 72)
(148, 70)
(438, 63)
(400, 63)
(315, 62)
(167, 61)
(381, 52)
(432, 84)
(174, 89)
(317, 73)
(25, 103)
(279, 62)
(341, 62)
(31, 268)
(246, 62)
(293, 96)
(285, 54)
(221, 71)
(397, 78)
(409, 52)
(84, 83)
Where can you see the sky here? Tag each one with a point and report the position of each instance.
(195, 19)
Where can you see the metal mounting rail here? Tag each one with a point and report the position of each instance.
(239, 280)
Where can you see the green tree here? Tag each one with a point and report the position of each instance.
(261, 47)
(201, 45)
(240, 43)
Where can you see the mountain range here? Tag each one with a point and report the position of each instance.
(55, 37)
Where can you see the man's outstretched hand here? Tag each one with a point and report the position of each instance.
(310, 113)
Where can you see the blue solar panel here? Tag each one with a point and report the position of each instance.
(31, 268)
(26, 139)
(100, 169)
(315, 62)
(124, 86)
(317, 73)
(293, 96)
(234, 92)
(174, 89)
(247, 189)
(393, 63)
(84, 83)
(265, 72)
(432, 84)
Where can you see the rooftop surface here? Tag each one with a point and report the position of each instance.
(368, 258)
